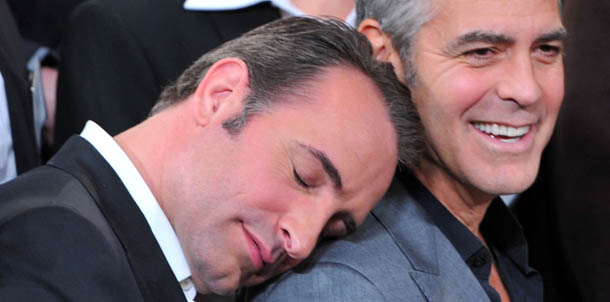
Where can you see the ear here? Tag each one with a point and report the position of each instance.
(383, 50)
(221, 93)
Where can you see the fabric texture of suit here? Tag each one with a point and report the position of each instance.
(70, 231)
(19, 99)
(398, 254)
(565, 214)
(42, 21)
(118, 55)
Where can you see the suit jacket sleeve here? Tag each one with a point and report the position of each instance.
(105, 75)
(46, 256)
(324, 282)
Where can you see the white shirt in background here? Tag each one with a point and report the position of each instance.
(286, 7)
(8, 166)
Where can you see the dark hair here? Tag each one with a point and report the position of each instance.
(284, 56)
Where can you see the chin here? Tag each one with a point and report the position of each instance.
(509, 183)
(223, 288)
(220, 285)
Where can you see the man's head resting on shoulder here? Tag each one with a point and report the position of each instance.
(286, 135)
(486, 78)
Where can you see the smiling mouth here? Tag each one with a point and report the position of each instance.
(507, 134)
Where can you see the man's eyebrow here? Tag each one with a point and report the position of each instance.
(559, 34)
(479, 36)
(327, 164)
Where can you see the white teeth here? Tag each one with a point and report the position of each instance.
(502, 130)
(510, 140)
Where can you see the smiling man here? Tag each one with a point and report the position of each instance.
(486, 77)
(259, 149)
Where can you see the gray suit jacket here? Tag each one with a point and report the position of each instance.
(398, 254)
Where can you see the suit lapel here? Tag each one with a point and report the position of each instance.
(150, 268)
(456, 288)
(438, 270)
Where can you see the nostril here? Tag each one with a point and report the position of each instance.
(287, 240)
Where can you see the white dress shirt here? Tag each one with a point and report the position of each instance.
(8, 166)
(141, 194)
(286, 7)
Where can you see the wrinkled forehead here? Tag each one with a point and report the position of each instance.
(512, 18)
(482, 8)
(437, 6)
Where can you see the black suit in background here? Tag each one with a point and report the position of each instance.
(566, 214)
(19, 99)
(42, 21)
(118, 55)
(70, 231)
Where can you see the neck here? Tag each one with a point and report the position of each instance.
(338, 8)
(467, 204)
(148, 146)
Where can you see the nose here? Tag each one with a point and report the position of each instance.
(519, 83)
(300, 232)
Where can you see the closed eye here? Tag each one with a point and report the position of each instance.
(300, 180)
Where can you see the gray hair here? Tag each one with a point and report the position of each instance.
(402, 20)
(283, 59)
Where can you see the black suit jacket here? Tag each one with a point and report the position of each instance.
(70, 231)
(42, 21)
(118, 55)
(566, 213)
(14, 72)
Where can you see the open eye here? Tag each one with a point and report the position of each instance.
(550, 50)
(479, 55)
(300, 180)
(480, 52)
(548, 53)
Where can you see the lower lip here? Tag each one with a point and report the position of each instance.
(254, 251)
(524, 143)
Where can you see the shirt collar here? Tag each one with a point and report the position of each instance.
(499, 227)
(145, 200)
(286, 7)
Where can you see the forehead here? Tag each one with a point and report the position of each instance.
(344, 103)
(345, 117)
(511, 17)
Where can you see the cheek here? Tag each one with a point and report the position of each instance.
(263, 183)
(449, 96)
(267, 195)
(467, 88)
(553, 92)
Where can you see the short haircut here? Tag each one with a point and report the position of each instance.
(401, 20)
(284, 57)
